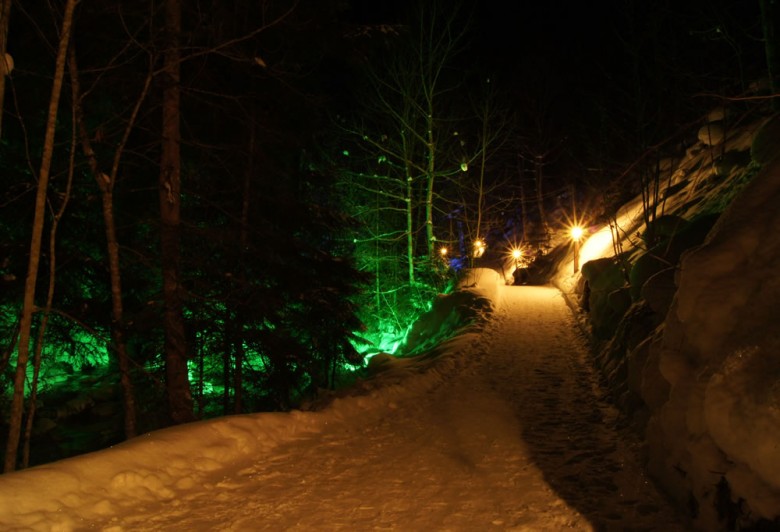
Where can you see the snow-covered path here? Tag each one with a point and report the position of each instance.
(515, 439)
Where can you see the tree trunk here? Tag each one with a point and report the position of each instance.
(105, 183)
(539, 172)
(25, 326)
(770, 11)
(431, 177)
(238, 369)
(5, 14)
(523, 212)
(37, 359)
(175, 349)
(408, 207)
(482, 163)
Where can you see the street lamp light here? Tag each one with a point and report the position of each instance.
(516, 254)
(576, 235)
(479, 248)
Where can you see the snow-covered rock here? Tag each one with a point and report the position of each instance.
(712, 134)
(705, 384)
(719, 355)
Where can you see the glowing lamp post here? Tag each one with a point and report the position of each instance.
(576, 235)
(479, 248)
(516, 254)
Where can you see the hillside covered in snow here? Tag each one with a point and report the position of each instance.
(683, 307)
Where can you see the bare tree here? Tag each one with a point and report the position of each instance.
(492, 137)
(39, 343)
(410, 90)
(28, 308)
(6, 65)
(106, 182)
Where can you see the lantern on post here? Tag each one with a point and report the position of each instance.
(576, 236)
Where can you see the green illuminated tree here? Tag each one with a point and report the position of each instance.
(265, 284)
(411, 98)
(422, 79)
(420, 166)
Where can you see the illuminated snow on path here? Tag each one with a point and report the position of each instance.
(512, 439)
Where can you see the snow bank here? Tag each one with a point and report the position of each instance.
(165, 465)
(597, 244)
(483, 281)
(720, 356)
(155, 466)
(709, 376)
(471, 303)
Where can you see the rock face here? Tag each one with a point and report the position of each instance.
(714, 440)
(688, 342)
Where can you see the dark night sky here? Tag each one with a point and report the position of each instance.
(606, 69)
(572, 37)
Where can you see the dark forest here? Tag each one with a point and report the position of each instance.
(211, 208)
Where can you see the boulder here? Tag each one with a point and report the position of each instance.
(712, 134)
(766, 143)
(658, 291)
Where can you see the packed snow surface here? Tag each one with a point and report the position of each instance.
(503, 429)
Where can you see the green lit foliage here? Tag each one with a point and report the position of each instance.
(282, 294)
(401, 153)
(271, 295)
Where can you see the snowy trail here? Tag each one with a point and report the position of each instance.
(516, 439)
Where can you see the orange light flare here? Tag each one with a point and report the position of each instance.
(576, 232)
(517, 254)
(479, 247)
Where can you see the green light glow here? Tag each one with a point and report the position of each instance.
(192, 375)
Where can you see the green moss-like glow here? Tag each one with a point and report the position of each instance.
(67, 352)
(192, 375)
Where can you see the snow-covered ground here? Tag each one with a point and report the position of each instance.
(502, 428)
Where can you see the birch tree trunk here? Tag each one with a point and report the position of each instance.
(5, 67)
(39, 343)
(25, 326)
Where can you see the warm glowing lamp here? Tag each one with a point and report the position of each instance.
(479, 248)
(516, 254)
(576, 235)
(443, 251)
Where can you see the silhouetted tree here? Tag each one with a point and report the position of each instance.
(15, 418)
